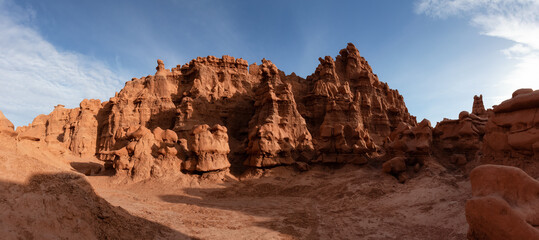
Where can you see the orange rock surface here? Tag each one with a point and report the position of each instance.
(459, 141)
(263, 118)
(6, 127)
(512, 133)
(505, 204)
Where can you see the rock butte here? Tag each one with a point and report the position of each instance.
(261, 117)
(217, 116)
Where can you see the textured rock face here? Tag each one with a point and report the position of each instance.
(278, 133)
(512, 133)
(348, 111)
(409, 146)
(478, 108)
(205, 91)
(260, 117)
(505, 204)
(209, 149)
(149, 154)
(459, 141)
(160, 152)
(6, 127)
(75, 129)
(142, 102)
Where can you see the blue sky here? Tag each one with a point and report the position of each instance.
(437, 53)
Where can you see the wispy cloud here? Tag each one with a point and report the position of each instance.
(514, 20)
(35, 75)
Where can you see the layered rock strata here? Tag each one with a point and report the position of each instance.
(512, 132)
(261, 117)
(406, 147)
(278, 133)
(459, 141)
(75, 129)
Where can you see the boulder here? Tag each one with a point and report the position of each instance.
(209, 149)
(505, 204)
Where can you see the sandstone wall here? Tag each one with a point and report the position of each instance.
(261, 116)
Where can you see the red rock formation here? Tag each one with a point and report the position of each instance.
(142, 102)
(459, 141)
(75, 129)
(348, 110)
(148, 154)
(512, 135)
(6, 127)
(278, 133)
(408, 146)
(262, 117)
(505, 204)
(478, 108)
(209, 149)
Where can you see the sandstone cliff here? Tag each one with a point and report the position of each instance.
(75, 129)
(261, 117)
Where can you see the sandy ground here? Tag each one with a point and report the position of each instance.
(324, 203)
(45, 196)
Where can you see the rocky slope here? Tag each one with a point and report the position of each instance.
(41, 197)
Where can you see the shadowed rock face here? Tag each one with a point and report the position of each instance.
(278, 133)
(408, 146)
(262, 118)
(460, 140)
(505, 204)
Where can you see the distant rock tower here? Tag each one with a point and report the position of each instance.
(478, 108)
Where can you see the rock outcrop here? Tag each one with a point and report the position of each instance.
(142, 102)
(505, 204)
(209, 149)
(75, 129)
(261, 117)
(278, 133)
(512, 133)
(6, 127)
(478, 108)
(459, 141)
(408, 146)
(348, 111)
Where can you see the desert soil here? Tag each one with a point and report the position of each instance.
(44, 193)
(349, 202)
